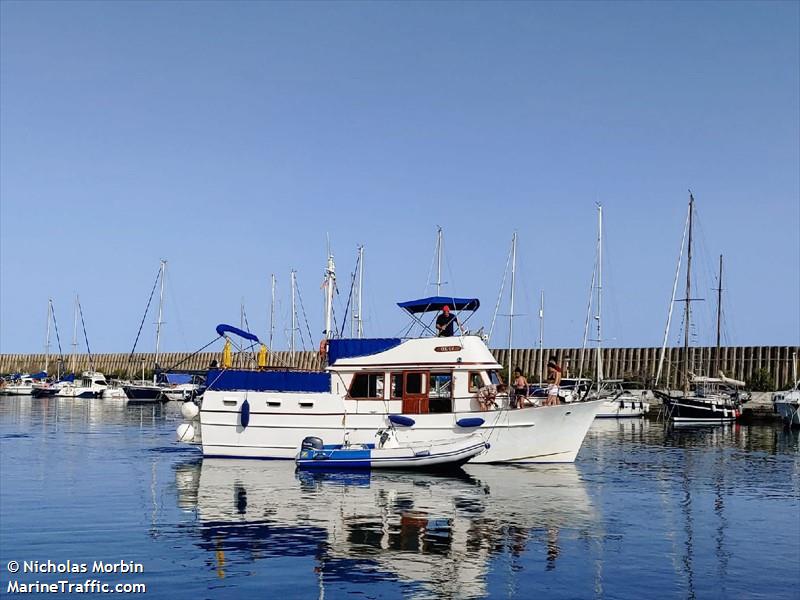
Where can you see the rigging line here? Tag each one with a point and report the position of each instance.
(499, 297)
(305, 318)
(85, 337)
(58, 339)
(246, 324)
(181, 330)
(144, 316)
(179, 363)
(347, 306)
(588, 318)
(430, 271)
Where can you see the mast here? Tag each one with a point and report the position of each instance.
(541, 336)
(294, 319)
(687, 310)
(438, 261)
(360, 315)
(74, 335)
(719, 311)
(330, 284)
(599, 316)
(511, 307)
(47, 337)
(272, 312)
(160, 312)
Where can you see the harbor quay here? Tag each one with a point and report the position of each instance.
(772, 366)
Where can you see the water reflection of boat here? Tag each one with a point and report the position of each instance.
(435, 532)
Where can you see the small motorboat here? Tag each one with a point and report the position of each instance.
(388, 453)
(787, 405)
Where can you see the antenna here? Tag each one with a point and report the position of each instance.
(438, 260)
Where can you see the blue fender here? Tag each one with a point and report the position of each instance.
(244, 415)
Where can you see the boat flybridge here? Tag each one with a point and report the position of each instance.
(426, 388)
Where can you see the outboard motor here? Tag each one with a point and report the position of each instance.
(311, 443)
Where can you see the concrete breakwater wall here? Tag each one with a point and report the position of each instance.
(738, 362)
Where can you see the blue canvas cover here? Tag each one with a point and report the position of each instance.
(268, 381)
(349, 348)
(437, 303)
(222, 329)
(178, 378)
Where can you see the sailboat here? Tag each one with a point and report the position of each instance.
(91, 383)
(703, 398)
(146, 390)
(619, 401)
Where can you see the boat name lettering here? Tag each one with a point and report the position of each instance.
(447, 348)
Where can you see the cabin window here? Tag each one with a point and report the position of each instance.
(415, 384)
(367, 385)
(494, 378)
(397, 386)
(441, 393)
(475, 381)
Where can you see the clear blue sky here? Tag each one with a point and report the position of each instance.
(230, 138)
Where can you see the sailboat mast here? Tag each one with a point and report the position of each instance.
(74, 335)
(160, 311)
(599, 295)
(687, 309)
(438, 261)
(272, 312)
(47, 336)
(360, 319)
(511, 307)
(330, 284)
(719, 312)
(541, 337)
(294, 320)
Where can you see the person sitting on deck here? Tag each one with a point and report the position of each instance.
(445, 322)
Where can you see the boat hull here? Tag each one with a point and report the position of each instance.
(530, 435)
(622, 409)
(143, 393)
(700, 410)
(789, 412)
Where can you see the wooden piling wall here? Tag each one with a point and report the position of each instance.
(738, 362)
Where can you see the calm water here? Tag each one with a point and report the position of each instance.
(701, 512)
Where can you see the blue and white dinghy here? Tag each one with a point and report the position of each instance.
(388, 453)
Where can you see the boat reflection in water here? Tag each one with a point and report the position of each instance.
(435, 533)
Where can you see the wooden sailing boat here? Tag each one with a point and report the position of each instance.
(702, 398)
